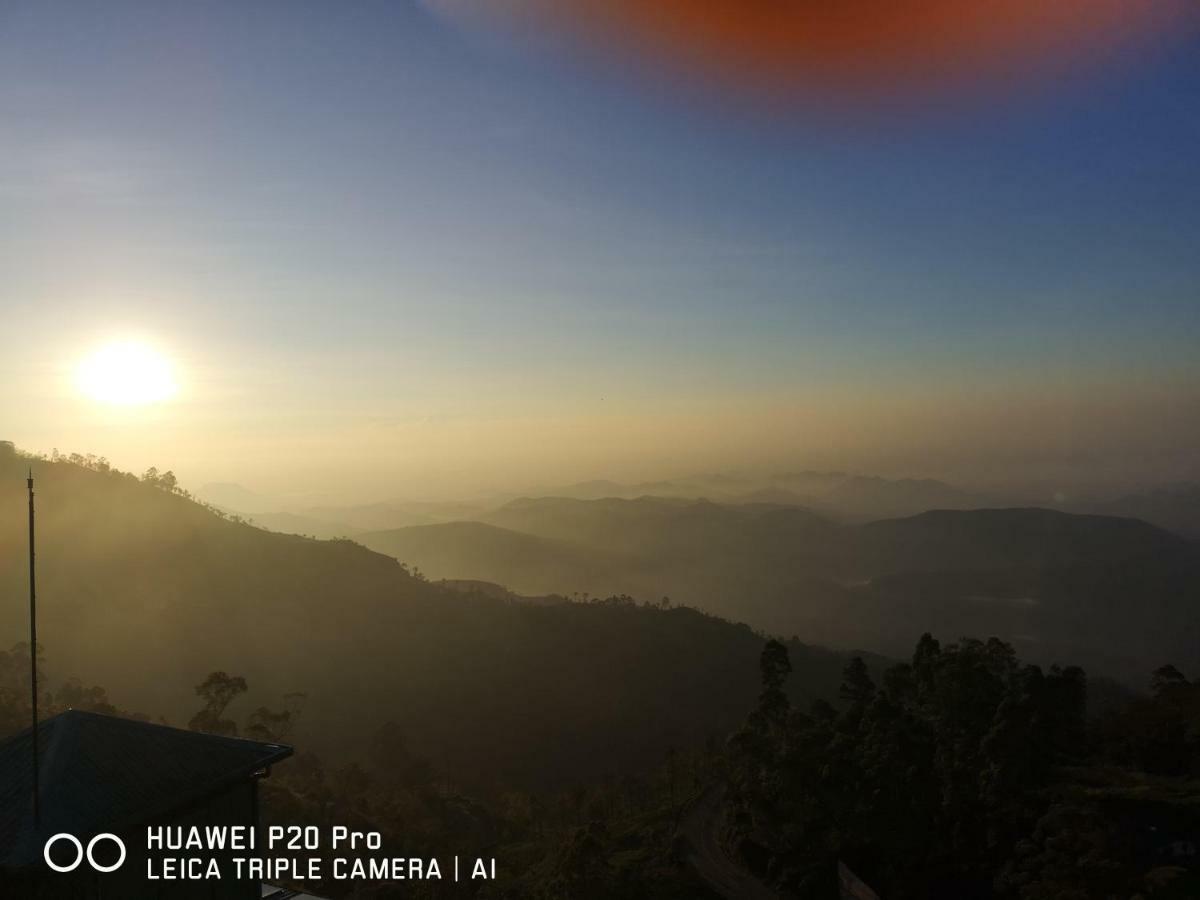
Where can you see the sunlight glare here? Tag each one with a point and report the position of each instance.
(126, 373)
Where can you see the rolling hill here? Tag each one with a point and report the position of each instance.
(1116, 594)
(145, 592)
(839, 495)
(1174, 507)
(542, 565)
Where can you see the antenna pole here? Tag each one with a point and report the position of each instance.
(33, 672)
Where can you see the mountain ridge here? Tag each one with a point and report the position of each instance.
(793, 571)
(145, 592)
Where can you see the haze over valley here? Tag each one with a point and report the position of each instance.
(844, 560)
(678, 450)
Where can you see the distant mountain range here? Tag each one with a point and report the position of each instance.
(837, 494)
(836, 558)
(1115, 593)
(840, 496)
(145, 592)
(1174, 507)
(332, 521)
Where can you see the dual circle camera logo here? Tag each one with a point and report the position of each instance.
(81, 853)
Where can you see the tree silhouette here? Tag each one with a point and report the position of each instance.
(217, 691)
(923, 786)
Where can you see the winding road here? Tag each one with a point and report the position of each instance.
(701, 827)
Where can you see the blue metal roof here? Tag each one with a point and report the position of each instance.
(102, 773)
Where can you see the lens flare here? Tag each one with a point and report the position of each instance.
(787, 46)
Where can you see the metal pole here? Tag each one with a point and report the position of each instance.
(33, 673)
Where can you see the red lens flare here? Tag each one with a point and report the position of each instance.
(783, 47)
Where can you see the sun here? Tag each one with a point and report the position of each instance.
(126, 373)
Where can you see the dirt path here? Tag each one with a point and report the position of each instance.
(701, 827)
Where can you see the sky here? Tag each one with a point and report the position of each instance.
(396, 249)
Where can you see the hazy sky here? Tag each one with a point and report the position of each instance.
(397, 252)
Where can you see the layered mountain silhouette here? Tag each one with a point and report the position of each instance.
(840, 495)
(836, 495)
(145, 592)
(1114, 593)
(1174, 507)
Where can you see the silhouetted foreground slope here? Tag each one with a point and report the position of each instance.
(146, 592)
(1116, 595)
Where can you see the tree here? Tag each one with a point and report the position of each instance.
(775, 667)
(275, 726)
(1167, 681)
(217, 691)
(857, 686)
(924, 786)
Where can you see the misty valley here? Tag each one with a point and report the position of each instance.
(599, 739)
(600, 450)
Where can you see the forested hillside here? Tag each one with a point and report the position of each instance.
(144, 591)
(967, 772)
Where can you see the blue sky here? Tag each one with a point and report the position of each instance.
(366, 220)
